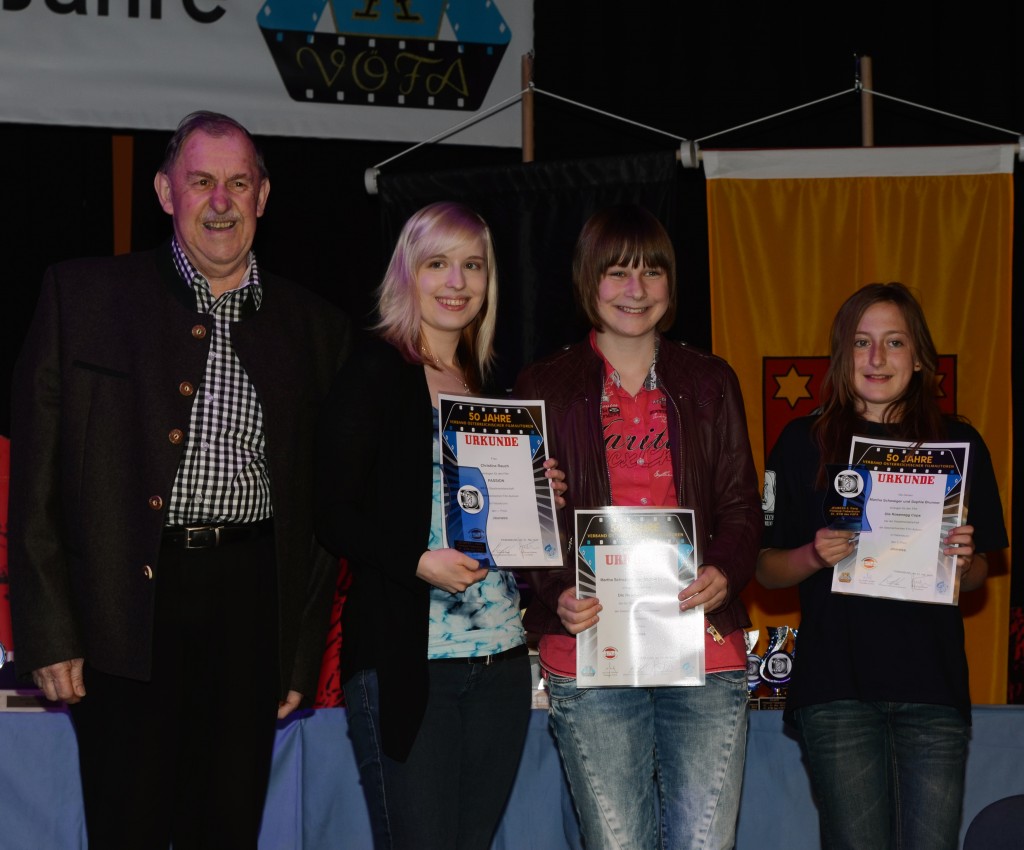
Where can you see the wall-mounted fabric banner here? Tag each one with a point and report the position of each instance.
(794, 233)
(357, 69)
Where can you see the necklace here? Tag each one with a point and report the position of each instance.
(455, 374)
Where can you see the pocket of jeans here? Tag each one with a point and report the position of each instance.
(731, 677)
(563, 690)
(731, 684)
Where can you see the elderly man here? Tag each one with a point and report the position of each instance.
(164, 579)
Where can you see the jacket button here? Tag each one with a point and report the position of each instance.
(176, 436)
(155, 502)
(199, 331)
(185, 388)
(147, 571)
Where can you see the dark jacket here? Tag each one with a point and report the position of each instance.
(374, 497)
(101, 390)
(711, 463)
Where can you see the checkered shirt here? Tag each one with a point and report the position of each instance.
(223, 476)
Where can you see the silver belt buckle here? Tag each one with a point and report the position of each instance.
(189, 530)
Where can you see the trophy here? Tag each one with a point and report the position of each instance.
(753, 666)
(845, 504)
(773, 669)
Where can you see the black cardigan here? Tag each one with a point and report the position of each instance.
(374, 495)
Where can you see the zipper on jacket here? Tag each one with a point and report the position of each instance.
(604, 448)
(715, 634)
(679, 422)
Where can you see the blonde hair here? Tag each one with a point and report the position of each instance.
(434, 230)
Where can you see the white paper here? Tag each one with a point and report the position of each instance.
(917, 497)
(499, 506)
(636, 560)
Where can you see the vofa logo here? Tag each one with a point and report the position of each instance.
(426, 54)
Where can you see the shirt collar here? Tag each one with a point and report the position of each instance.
(251, 286)
(612, 374)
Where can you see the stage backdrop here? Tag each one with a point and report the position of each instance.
(357, 69)
(793, 233)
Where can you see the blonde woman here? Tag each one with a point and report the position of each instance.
(434, 659)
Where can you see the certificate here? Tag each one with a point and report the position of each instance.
(636, 560)
(499, 507)
(916, 496)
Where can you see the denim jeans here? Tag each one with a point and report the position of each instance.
(451, 791)
(886, 774)
(654, 767)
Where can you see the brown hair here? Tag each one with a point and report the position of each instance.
(916, 415)
(626, 235)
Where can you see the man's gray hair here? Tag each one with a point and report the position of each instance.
(213, 124)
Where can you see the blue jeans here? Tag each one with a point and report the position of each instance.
(451, 791)
(632, 753)
(886, 774)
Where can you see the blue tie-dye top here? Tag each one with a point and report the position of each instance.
(481, 620)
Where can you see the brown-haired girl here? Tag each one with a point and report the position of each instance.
(879, 691)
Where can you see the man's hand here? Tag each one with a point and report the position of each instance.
(61, 681)
(290, 703)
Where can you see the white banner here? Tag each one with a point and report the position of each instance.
(807, 163)
(357, 69)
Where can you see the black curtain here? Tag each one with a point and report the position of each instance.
(56, 200)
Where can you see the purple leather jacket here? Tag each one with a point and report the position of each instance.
(712, 466)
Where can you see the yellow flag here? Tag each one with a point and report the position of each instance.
(793, 233)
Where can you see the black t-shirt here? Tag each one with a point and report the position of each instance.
(859, 647)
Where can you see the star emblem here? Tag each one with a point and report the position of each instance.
(792, 386)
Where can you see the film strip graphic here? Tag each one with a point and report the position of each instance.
(887, 456)
(386, 53)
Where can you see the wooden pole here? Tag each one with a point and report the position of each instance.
(526, 78)
(122, 149)
(867, 104)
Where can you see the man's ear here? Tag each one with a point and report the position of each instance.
(261, 196)
(162, 184)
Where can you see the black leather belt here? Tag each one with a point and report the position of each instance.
(210, 536)
(514, 652)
